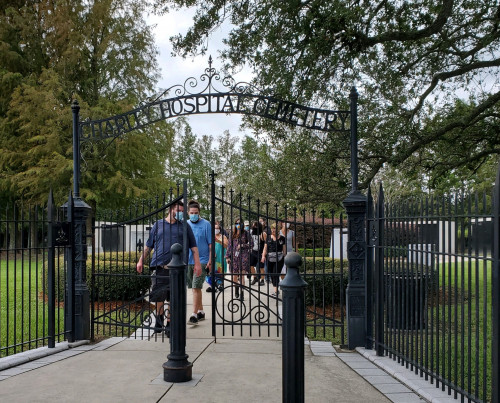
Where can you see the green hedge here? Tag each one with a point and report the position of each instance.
(325, 287)
(318, 252)
(120, 281)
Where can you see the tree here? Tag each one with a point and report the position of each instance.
(100, 52)
(427, 71)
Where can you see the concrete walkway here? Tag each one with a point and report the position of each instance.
(230, 370)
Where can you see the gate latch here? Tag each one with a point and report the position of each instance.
(61, 234)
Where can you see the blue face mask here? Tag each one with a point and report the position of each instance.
(179, 216)
(194, 217)
(247, 227)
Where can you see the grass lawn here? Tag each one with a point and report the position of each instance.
(456, 340)
(23, 313)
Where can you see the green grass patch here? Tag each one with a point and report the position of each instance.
(23, 310)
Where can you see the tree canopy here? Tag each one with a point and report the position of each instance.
(426, 71)
(100, 52)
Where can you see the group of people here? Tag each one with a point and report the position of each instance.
(257, 253)
(253, 252)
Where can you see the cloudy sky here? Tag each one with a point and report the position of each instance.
(175, 70)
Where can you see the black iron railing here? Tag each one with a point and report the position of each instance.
(25, 319)
(320, 238)
(433, 262)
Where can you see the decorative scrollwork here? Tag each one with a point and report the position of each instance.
(253, 309)
(212, 93)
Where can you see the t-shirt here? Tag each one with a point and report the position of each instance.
(162, 236)
(202, 231)
(275, 245)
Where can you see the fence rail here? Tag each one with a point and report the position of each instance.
(432, 276)
(24, 313)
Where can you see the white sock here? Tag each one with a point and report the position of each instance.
(200, 311)
(194, 314)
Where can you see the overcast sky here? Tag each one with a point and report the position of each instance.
(175, 70)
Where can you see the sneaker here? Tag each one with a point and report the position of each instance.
(200, 315)
(209, 289)
(193, 320)
(262, 282)
(255, 280)
(220, 287)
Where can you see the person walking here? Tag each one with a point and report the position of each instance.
(289, 235)
(256, 266)
(162, 236)
(220, 266)
(274, 253)
(238, 256)
(202, 231)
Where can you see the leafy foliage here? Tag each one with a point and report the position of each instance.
(427, 73)
(100, 52)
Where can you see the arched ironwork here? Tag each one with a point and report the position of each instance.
(212, 93)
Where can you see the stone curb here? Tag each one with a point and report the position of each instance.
(31, 355)
(425, 389)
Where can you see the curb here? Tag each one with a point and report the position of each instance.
(31, 355)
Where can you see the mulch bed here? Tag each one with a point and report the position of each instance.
(327, 312)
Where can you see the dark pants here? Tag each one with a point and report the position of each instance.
(274, 270)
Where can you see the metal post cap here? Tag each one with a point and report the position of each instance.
(293, 259)
(176, 250)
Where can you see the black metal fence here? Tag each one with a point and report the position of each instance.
(26, 322)
(432, 276)
(120, 303)
(245, 303)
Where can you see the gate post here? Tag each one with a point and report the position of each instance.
(355, 205)
(51, 282)
(293, 287)
(80, 214)
(177, 368)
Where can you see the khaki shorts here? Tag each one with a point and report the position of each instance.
(194, 281)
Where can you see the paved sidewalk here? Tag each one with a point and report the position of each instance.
(235, 369)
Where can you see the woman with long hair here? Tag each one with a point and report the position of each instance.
(238, 255)
(274, 252)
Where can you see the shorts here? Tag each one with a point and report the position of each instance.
(160, 291)
(194, 281)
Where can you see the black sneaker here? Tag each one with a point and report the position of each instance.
(209, 289)
(200, 315)
(262, 282)
(193, 320)
(255, 280)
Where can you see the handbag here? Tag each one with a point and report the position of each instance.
(274, 256)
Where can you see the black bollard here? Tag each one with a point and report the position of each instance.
(293, 287)
(177, 368)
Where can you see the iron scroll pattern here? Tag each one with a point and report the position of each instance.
(137, 314)
(212, 93)
(251, 310)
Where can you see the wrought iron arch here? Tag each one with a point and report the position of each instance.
(210, 94)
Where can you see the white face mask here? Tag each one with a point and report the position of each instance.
(217, 231)
(288, 225)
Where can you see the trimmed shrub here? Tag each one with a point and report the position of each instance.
(324, 285)
(119, 280)
(318, 252)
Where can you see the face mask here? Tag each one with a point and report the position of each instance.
(288, 225)
(194, 217)
(237, 226)
(217, 231)
(179, 215)
(247, 227)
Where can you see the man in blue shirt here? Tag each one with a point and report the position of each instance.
(203, 234)
(163, 235)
